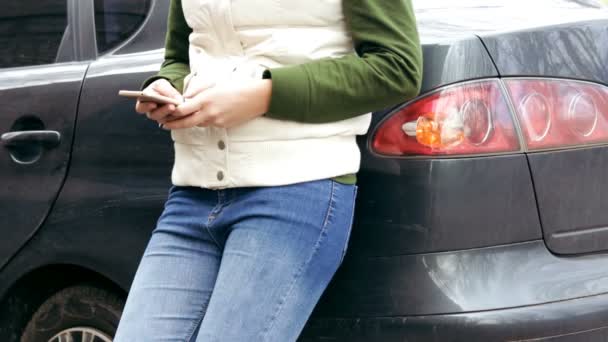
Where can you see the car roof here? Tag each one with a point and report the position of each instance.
(449, 19)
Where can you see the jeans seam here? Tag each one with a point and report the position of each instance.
(199, 320)
(330, 208)
(216, 211)
(212, 237)
(352, 221)
(212, 215)
(302, 268)
(201, 313)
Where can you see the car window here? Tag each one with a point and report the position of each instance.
(31, 31)
(448, 19)
(117, 20)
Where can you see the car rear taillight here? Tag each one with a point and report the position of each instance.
(560, 113)
(471, 118)
(475, 118)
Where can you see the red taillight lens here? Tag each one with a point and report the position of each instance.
(471, 118)
(559, 113)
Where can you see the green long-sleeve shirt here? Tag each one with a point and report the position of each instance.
(386, 69)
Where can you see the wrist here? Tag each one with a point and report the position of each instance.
(261, 95)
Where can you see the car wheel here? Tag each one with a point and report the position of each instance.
(78, 313)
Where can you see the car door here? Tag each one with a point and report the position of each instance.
(121, 162)
(40, 81)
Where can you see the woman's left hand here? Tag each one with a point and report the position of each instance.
(226, 105)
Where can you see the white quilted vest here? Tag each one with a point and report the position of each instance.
(240, 38)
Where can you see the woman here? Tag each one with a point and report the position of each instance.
(264, 179)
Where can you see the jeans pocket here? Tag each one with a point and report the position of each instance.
(350, 226)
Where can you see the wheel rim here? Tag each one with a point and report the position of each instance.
(81, 334)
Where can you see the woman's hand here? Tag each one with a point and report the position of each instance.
(226, 105)
(152, 109)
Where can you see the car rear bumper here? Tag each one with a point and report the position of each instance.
(583, 319)
(458, 282)
(501, 293)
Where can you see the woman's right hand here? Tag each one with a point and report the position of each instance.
(153, 110)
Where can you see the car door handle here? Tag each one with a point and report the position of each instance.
(49, 139)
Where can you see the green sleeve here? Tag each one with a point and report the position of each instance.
(386, 69)
(176, 65)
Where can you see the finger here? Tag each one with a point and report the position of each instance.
(169, 118)
(190, 106)
(161, 112)
(163, 87)
(186, 122)
(204, 120)
(144, 107)
(205, 123)
(197, 87)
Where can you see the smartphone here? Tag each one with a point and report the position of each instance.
(137, 94)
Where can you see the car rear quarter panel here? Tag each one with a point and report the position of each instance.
(409, 205)
(571, 185)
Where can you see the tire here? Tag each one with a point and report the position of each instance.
(75, 310)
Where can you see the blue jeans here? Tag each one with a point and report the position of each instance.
(240, 264)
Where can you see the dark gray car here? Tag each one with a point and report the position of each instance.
(482, 210)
